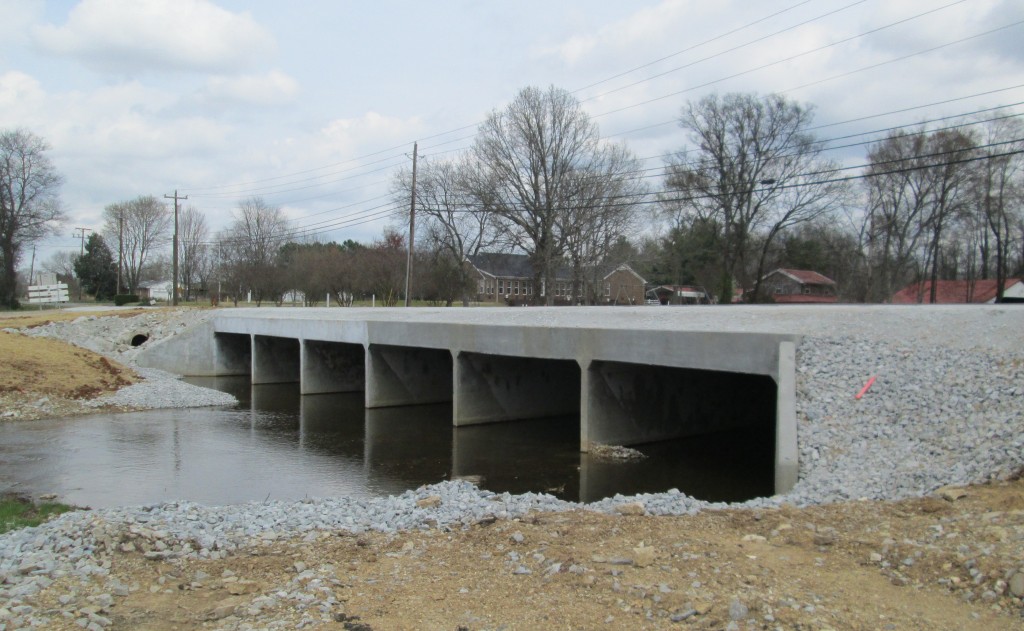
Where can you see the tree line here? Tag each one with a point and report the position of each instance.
(752, 189)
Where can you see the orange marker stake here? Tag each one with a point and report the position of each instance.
(865, 388)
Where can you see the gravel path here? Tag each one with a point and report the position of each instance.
(947, 408)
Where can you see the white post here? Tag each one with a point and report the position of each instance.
(328, 299)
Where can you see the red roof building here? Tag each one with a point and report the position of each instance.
(958, 292)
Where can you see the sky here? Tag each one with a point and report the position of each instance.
(314, 105)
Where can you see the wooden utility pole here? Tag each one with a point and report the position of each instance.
(120, 247)
(412, 228)
(32, 266)
(174, 255)
(81, 234)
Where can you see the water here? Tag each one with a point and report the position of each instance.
(277, 444)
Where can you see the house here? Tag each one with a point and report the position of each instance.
(502, 278)
(508, 279)
(792, 286)
(951, 292)
(154, 290)
(679, 295)
(623, 286)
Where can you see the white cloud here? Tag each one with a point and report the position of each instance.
(20, 96)
(647, 24)
(131, 36)
(16, 18)
(352, 136)
(273, 88)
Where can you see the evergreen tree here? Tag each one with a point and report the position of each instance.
(96, 269)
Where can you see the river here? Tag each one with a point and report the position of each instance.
(277, 444)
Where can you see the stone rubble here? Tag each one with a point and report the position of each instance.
(936, 416)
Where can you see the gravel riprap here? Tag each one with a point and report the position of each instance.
(938, 414)
(112, 337)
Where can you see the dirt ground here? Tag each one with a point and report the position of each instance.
(952, 561)
(45, 378)
(929, 563)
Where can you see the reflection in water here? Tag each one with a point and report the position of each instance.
(277, 444)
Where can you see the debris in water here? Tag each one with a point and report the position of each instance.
(615, 452)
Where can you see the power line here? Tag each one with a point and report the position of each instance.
(659, 171)
(199, 191)
(695, 46)
(807, 52)
(275, 188)
(907, 159)
(744, 45)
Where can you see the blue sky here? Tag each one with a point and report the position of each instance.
(313, 104)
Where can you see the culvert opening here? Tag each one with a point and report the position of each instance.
(275, 359)
(139, 339)
(233, 353)
(709, 434)
(333, 367)
(495, 388)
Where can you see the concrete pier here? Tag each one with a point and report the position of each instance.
(634, 375)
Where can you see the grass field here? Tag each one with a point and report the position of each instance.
(19, 512)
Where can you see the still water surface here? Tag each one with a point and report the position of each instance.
(277, 444)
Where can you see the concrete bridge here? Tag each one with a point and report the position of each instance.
(634, 375)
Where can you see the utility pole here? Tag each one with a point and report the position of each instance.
(412, 227)
(32, 266)
(174, 255)
(120, 247)
(81, 234)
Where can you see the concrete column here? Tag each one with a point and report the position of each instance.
(274, 359)
(490, 388)
(332, 367)
(786, 449)
(398, 375)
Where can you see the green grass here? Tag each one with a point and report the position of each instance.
(18, 512)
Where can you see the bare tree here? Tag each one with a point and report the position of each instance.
(919, 192)
(454, 219)
(999, 190)
(192, 239)
(538, 161)
(62, 263)
(381, 268)
(602, 215)
(898, 196)
(29, 206)
(248, 249)
(753, 170)
(950, 177)
(136, 228)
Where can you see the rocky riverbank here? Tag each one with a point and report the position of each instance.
(945, 408)
(118, 338)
